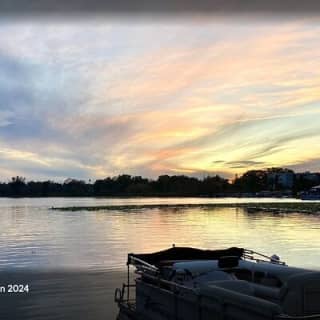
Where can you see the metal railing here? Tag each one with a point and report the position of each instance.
(151, 272)
(251, 255)
(122, 296)
(142, 265)
(247, 254)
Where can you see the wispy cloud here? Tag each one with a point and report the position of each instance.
(152, 98)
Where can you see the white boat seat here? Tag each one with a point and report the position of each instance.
(301, 294)
(197, 267)
(235, 304)
(239, 286)
(214, 276)
(265, 292)
(184, 277)
(270, 282)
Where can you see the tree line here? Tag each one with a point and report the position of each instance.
(253, 181)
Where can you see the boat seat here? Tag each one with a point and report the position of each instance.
(197, 267)
(270, 282)
(214, 276)
(239, 286)
(218, 302)
(184, 277)
(301, 294)
(265, 292)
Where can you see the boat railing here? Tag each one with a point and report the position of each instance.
(247, 254)
(123, 296)
(146, 268)
(260, 257)
(141, 264)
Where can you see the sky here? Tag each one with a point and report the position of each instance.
(93, 98)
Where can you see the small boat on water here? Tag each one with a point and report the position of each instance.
(312, 194)
(184, 283)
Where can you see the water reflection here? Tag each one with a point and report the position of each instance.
(34, 237)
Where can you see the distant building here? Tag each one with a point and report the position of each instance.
(280, 178)
(286, 179)
(312, 177)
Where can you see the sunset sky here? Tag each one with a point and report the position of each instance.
(95, 98)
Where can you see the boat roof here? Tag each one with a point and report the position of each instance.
(175, 254)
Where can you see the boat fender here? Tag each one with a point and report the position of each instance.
(118, 295)
(274, 258)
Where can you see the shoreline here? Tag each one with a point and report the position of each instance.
(275, 207)
(147, 196)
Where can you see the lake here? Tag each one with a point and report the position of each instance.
(73, 260)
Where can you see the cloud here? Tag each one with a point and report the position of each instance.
(245, 164)
(149, 98)
(5, 118)
(312, 165)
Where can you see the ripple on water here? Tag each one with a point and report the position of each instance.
(35, 238)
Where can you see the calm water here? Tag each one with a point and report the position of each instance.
(33, 237)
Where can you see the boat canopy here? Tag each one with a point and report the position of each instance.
(175, 254)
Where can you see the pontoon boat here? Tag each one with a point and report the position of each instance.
(239, 284)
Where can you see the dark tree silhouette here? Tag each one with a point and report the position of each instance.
(252, 182)
(17, 186)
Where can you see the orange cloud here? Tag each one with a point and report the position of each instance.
(240, 92)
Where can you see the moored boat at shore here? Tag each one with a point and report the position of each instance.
(312, 194)
(193, 284)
